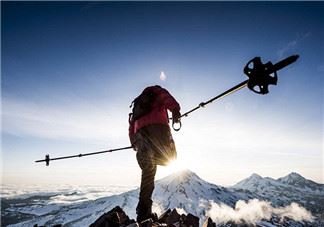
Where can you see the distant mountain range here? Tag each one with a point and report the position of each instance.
(294, 180)
(185, 191)
(284, 190)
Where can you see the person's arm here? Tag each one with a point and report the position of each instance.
(131, 134)
(169, 102)
(167, 99)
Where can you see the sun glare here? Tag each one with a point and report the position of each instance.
(174, 166)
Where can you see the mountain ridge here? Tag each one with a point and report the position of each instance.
(256, 182)
(184, 190)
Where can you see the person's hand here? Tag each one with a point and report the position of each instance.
(176, 116)
(134, 142)
(134, 146)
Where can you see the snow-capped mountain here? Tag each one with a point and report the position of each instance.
(183, 190)
(186, 190)
(296, 180)
(282, 191)
(256, 183)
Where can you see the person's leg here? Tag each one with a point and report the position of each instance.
(144, 206)
(161, 141)
(155, 146)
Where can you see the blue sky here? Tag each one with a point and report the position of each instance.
(70, 71)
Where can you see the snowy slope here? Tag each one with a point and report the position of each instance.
(296, 180)
(291, 188)
(187, 191)
(184, 190)
(76, 214)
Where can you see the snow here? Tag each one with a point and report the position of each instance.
(265, 224)
(61, 193)
(292, 187)
(184, 190)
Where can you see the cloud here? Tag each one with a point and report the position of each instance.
(294, 211)
(254, 210)
(292, 44)
(84, 122)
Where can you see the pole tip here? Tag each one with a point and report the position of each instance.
(47, 159)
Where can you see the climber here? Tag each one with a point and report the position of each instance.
(151, 137)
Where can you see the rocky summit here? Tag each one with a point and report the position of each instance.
(171, 218)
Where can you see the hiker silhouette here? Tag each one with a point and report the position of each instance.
(151, 137)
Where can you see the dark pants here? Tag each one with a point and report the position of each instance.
(155, 146)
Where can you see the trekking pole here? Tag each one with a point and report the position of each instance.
(48, 159)
(260, 77)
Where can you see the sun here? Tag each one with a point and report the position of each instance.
(174, 166)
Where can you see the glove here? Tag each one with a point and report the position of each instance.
(133, 142)
(176, 116)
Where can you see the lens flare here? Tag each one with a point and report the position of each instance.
(162, 76)
(173, 166)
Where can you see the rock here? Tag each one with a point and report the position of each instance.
(209, 223)
(163, 217)
(147, 223)
(173, 217)
(113, 218)
(154, 217)
(191, 221)
(118, 218)
(135, 224)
